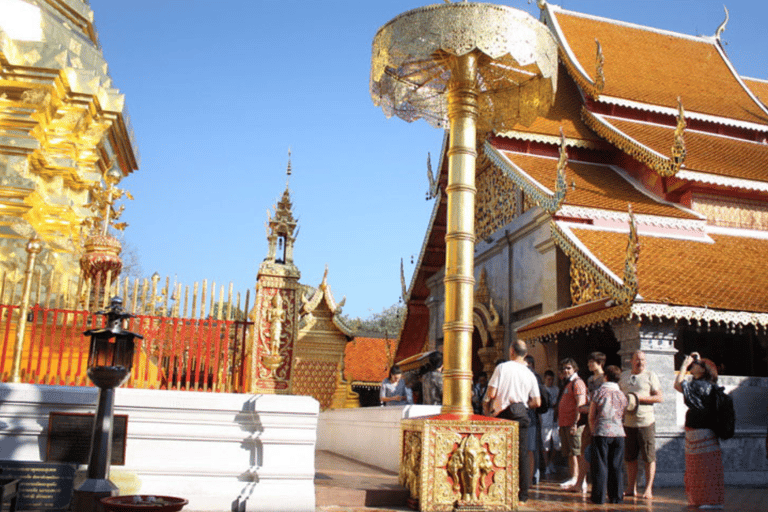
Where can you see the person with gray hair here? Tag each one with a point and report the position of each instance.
(512, 390)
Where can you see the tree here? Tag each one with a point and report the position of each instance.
(385, 323)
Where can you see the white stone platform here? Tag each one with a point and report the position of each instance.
(220, 451)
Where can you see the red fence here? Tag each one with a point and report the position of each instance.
(205, 354)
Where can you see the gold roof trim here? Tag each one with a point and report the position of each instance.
(550, 331)
(531, 188)
(705, 316)
(584, 82)
(546, 139)
(623, 292)
(663, 166)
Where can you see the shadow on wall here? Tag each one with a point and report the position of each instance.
(249, 422)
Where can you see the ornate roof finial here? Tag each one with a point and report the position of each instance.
(288, 169)
(599, 63)
(433, 183)
(722, 26)
(402, 281)
(631, 284)
(561, 186)
(678, 149)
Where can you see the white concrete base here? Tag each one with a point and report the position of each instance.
(220, 451)
(369, 434)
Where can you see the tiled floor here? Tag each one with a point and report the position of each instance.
(338, 478)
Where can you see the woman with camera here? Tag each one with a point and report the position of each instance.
(704, 479)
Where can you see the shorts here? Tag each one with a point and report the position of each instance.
(571, 442)
(640, 442)
(550, 438)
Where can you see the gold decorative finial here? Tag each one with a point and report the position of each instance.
(433, 183)
(102, 204)
(599, 73)
(631, 285)
(402, 281)
(722, 26)
(678, 148)
(560, 186)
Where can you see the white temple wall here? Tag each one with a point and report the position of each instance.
(368, 434)
(220, 451)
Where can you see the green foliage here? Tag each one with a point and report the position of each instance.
(387, 322)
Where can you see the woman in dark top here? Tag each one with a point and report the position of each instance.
(704, 479)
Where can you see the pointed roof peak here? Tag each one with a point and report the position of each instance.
(288, 169)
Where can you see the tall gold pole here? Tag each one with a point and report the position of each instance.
(33, 248)
(460, 237)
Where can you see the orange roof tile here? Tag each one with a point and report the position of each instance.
(729, 274)
(368, 359)
(758, 87)
(565, 113)
(596, 186)
(705, 152)
(655, 67)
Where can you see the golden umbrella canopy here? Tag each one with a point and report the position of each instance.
(413, 63)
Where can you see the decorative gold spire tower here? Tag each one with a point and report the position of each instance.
(69, 126)
(276, 312)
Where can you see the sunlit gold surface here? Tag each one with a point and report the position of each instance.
(33, 248)
(62, 123)
(448, 464)
(412, 63)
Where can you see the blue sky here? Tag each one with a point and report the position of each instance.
(218, 92)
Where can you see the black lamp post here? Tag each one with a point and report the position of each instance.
(109, 365)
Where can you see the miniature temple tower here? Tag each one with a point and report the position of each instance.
(276, 312)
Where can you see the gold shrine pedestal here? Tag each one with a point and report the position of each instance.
(450, 462)
(474, 68)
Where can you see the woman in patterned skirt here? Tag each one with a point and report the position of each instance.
(704, 479)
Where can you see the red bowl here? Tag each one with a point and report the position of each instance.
(143, 503)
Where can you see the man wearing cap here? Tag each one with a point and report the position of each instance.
(511, 391)
(639, 422)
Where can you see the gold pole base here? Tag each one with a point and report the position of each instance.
(449, 464)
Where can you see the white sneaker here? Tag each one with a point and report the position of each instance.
(568, 483)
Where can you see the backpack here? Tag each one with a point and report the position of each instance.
(725, 415)
(545, 402)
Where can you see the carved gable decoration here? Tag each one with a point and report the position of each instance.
(495, 203)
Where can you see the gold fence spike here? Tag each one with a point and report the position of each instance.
(194, 301)
(229, 301)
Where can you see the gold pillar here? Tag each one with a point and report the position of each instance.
(33, 248)
(460, 237)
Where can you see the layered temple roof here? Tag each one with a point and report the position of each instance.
(655, 121)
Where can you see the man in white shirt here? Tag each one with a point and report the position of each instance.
(512, 389)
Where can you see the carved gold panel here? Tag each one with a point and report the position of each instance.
(584, 287)
(450, 464)
(495, 204)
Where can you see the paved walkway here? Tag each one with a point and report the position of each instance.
(344, 485)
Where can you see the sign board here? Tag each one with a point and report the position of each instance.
(43, 486)
(69, 437)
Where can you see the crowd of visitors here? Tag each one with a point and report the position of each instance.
(602, 427)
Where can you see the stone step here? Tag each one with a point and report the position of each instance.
(342, 481)
(346, 497)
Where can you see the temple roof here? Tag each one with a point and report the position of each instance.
(705, 152)
(759, 87)
(726, 273)
(635, 57)
(368, 359)
(596, 186)
(563, 114)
